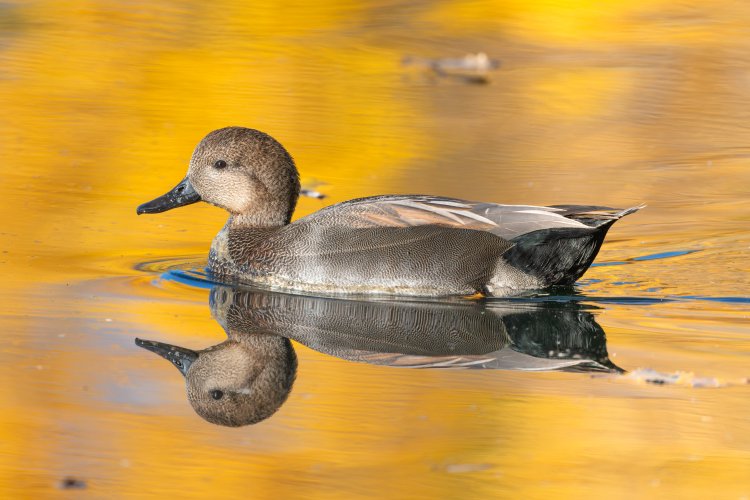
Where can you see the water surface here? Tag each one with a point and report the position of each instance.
(611, 104)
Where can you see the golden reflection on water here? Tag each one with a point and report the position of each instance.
(611, 103)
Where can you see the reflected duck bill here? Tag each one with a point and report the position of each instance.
(180, 357)
(182, 194)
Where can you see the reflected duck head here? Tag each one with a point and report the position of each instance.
(242, 170)
(235, 383)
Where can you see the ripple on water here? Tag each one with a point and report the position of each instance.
(640, 258)
(191, 271)
(184, 270)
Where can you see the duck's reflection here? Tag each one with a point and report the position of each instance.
(246, 378)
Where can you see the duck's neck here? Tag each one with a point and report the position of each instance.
(268, 213)
(257, 221)
(261, 343)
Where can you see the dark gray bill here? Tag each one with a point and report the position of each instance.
(180, 195)
(180, 357)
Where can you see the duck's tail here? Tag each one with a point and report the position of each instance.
(622, 213)
(631, 210)
(596, 216)
(559, 256)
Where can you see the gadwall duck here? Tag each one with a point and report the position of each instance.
(393, 244)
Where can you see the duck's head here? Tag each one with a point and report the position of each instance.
(244, 171)
(237, 382)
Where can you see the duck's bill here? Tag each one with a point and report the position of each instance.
(180, 357)
(180, 195)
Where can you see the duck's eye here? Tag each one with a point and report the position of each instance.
(177, 363)
(220, 164)
(217, 394)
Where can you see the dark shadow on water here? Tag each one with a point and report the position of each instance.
(246, 378)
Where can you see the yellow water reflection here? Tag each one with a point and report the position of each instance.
(612, 103)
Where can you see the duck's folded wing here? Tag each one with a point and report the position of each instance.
(506, 221)
(387, 244)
